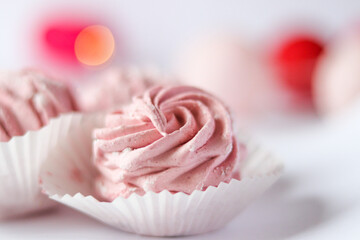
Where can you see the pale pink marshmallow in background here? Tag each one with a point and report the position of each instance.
(114, 87)
(28, 100)
(337, 82)
(225, 66)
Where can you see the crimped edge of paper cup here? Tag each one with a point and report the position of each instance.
(167, 214)
(20, 164)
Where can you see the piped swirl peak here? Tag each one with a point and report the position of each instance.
(175, 138)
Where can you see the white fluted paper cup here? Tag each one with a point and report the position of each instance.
(20, 162)
(69, 180)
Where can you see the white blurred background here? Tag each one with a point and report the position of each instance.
(156, 29)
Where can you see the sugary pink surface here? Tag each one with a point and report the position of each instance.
(28, 100)
(112, 88)
(177, 138)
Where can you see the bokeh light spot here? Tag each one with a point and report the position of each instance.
(296, 60)
(94, 45)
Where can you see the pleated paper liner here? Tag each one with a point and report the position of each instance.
(69, 180)
(20, 162)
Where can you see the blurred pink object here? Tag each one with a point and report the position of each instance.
(73, 43)
(114, 87)
(28, 100)
(224, 66)
(337, 82)
(58, 40)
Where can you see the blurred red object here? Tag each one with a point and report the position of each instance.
(58, 39)
(295, 60)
